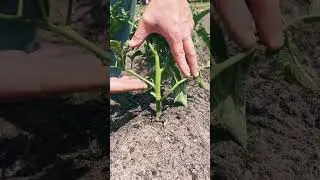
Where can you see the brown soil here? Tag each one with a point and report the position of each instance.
(142, 149)
(64, 137)
(283, 119)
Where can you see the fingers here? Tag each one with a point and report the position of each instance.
(140, 35)
(267, 16)
(238, 20)
(191, 56)
(179, 55)
(126, 84)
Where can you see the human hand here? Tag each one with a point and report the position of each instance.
(173, 20)
(48, 71)
(243, 17)
(126, 84)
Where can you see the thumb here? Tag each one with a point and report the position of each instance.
(142, 32)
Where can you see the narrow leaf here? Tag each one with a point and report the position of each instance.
(180, 94)
(218, 68)
(197, 17)
(201, 82)
(289, 58)
(204, 35)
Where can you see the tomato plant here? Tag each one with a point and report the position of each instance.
(160, 63)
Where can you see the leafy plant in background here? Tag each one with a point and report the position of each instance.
(228, 97)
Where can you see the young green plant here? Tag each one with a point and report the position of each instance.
(160, 64)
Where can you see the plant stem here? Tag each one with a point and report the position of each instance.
(69, 12)
(157, 82)
(158, 109)
(8, 17)
(44, 9)
(141, 78)
(71, 34)
(20, 8)
(218, 68)
(311, 18)
(132, 24)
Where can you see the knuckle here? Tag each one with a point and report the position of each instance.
(138, 35)
(180, 52)
(180, 57)
(192, 55)
(147, 19)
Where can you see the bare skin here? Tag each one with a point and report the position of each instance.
(172, 19)
(243, 20)
(42, 73)
(126, 84)
(48, 71)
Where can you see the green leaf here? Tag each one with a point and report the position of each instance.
(232, 117)
(115, 47)
(220, 67)
(204, 35)
(180, 94)
(120, 51)
(153, 94)
(229, 100)
(201, 82)
(136, 54)
(197, 16)
(118, 17)
(228, 94)
(289, 58)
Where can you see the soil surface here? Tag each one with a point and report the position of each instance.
(143, 149)
(64, 137)
(283, 119)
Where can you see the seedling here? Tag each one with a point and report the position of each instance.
(159, 60)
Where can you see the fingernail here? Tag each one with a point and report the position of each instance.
(276, 42)
(197, 74)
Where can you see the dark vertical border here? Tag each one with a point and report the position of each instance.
(108, 91)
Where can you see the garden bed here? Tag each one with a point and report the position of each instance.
(64, 137)
(283, 119)
(143, 149)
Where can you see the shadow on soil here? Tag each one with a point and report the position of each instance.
(51, 136)
(128, 106)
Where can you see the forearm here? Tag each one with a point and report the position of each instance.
(32, 78)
